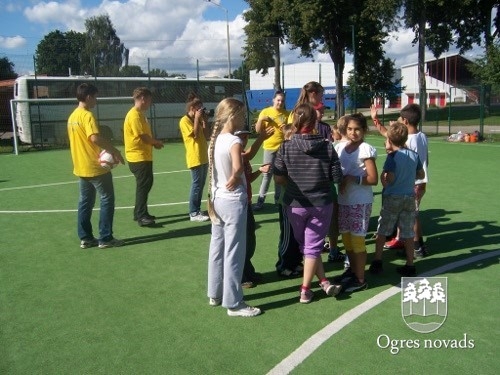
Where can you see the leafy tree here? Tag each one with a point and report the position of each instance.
(59, 52)
(326, 26)
(104, 53)
(487, 68)
(441, 23)
(7, 69)
(377, 80)
(244, 74)
(156, 72)
(132, 71)
(264, 32)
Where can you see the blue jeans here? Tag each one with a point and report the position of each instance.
(89, 186)
(198, 177)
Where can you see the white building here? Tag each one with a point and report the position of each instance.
(446, 80)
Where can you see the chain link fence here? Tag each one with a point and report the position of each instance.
(476, 109)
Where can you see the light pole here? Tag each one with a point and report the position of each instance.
(227, 35)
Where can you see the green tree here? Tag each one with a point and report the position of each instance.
(132, 71)
(326, 26)
(7, 69)
(244, 74)
(441, 23)
(465, 26)
(264, 32)
(377, 80)
(487, 68)
(58, 53)
(156, 72)
(104, 53)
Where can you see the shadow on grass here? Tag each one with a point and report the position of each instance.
(194, 230)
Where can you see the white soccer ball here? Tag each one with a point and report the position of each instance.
(107, 160)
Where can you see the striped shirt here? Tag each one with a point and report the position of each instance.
(311, 165)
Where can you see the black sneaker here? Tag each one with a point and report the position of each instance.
(354, 285)
(335, 255)
(259, 205)
(406, 270)
(145, 221)
(376, 267)
(421, 252)
(345, 277)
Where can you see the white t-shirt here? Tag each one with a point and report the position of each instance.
(418, 143)
(223, 169)
(353, 164)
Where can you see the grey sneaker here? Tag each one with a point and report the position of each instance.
(85, 244)
(214, 301)
(112, 243)
(199, 217)
(244, 310)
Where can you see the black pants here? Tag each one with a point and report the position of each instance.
(249, 269)
(143, 172)
(289, 255)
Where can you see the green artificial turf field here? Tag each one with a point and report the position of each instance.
(142, 308)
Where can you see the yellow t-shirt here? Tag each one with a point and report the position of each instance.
(278, 117)
(134, 126)
(84, 153)
(196, 148)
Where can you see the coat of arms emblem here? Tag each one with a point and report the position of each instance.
(424, 302)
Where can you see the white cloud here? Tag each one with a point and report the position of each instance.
(12, 42)
(175, 35)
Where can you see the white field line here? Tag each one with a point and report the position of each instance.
(310, 345)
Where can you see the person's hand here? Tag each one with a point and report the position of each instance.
(199, 113)
(118, 155)
(233, 183)
(266, 131)
(373, 112)
(383, 179)
(265, 168)
(158, 144)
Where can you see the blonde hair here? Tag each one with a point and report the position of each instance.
(342, 126)
(288, 131)
(397, 133)
(225, 112)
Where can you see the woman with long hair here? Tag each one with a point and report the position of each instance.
(227, 208)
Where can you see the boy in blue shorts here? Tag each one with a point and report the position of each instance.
(401, 168)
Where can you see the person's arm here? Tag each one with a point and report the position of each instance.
(147, 139)
(237, 167)
(105, 144)
(381, 128)
(262, 169)
(264, 133)
(198, 128)
(371, 177)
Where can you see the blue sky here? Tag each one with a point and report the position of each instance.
(173, 33)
